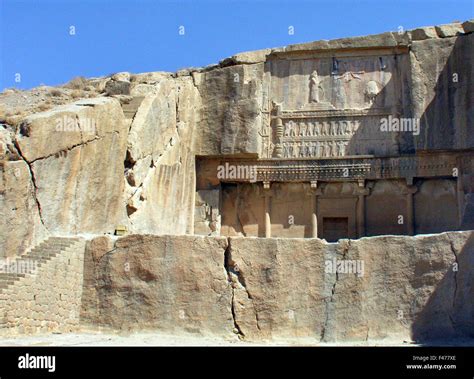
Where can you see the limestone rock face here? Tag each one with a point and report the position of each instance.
(449, 30)
(279, 287)
(423, 33)
(20, 220)
(387, 39)
(230, 124)
(168, 283)
(415, 288)
(440, 90)
(410, 290)
(160, 171)
(468, 26)
(79, 178)
(250, 57)
(117, 87)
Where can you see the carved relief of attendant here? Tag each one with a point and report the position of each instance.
(340, 127)
(292, 129)
(302, 129)
(325, 150)
(332, 131)
(296, 150)
(307, 150)
(341, 148)
(315, 87)
(287, 129)
(333, 149)
(325, 128)
(316, 129)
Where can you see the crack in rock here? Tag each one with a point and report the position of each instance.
(33, 181)
(453, 250)
(235, 277)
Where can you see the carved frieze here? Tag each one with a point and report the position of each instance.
(329, 107)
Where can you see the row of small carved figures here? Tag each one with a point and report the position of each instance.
(314, 149)
(334, 128)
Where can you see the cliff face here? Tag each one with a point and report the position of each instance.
(125, 154)
(417, 288)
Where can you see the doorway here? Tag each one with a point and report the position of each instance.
(335, 228)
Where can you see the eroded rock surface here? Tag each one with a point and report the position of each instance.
(171, 283)
(416, 288)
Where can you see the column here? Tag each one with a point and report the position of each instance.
(361, 216)
(460, 197)
(361, 193)
(278, 150)
(410, 215)
(267, 197)
(314, 209)
(410, 191)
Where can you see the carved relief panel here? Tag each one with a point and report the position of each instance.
(327, 107)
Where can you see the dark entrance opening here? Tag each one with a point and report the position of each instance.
(335, 228)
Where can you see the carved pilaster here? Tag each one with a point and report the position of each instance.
(361, 192)
(267, 198)
(314, 208)
(460, 197)
(409, 191)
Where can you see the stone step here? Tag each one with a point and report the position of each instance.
(10, 275)
(5, 284)
(63, 239)
(40, 254)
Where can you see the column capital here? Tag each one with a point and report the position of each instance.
(362, 189)
(410, 190)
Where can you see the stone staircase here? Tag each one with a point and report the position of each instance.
(28, 264)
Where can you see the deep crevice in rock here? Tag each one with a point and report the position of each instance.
(453, 250)
(33, 181)
(227, 260)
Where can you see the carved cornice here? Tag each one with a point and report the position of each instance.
(331, 113)
(350, 168)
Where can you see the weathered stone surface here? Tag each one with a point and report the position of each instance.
(168, 283)
(207, 219)
(160, 163)
(121, 76)
(393, 288)
(468, 26)
(279, 287)
(388, 39)
(79, 178)
(407, 290)
(423, 33)
(229, 125)
(439, 88)
(20, 220)
(94, 251)
(251, 57)
(449, 30)
(117, 87)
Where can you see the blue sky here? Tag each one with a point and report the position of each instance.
(143, 35)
